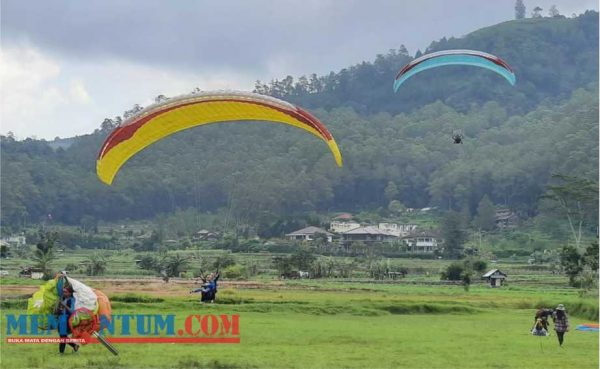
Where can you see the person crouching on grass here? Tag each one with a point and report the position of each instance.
(561, 322)
(543, 314)
(538, 328)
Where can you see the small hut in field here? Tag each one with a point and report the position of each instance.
(495, 277)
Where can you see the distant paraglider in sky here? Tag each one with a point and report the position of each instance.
(167, 117)
(455, 57)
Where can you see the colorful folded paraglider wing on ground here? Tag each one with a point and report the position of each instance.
(43, 302)
(84, 323)
(455, 57)
(174, 115)
(589, 327)
(104, 308)
(88, 301)
(89, 306)
(84, 295)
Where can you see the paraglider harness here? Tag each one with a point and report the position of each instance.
(457, 137)
(539, 329)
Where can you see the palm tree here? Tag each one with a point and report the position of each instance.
(171, 266)
(96, 264)
(44, 252)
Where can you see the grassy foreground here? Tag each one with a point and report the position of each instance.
(334, 325)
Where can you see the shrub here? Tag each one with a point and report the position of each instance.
(479, 265)
(453, 272)
(235, 271)
(223, 261)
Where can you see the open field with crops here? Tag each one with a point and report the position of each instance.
(334, 324)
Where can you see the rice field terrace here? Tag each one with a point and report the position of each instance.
(331, 324)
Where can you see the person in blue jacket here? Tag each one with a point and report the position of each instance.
(65, 306)
(209, 288)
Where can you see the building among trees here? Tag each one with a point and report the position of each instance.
(423, 241)
(399, 230)
(505, 218)
(495, 277)
(368, 234)
(308, 234)
(338, 226)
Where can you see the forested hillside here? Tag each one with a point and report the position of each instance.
(395, 147)
(550, 56)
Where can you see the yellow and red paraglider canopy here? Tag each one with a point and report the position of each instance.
(165, 118)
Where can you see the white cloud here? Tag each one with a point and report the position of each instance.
(23, 77)
(46, 96)
(31, 91)
(78, 92)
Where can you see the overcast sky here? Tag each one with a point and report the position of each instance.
(67, 65)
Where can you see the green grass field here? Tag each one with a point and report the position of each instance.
(312, 324)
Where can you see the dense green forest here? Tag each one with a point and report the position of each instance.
(395, 146)
(550, 56)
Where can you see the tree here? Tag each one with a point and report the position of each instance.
(107, 125)
(172, 266)
(478, 265)
(590, 257)
(160, 98)
(283, 265)
(223, 261)
(486, 215)
(44, 252)
(577, 199)
(589, 261)
(391, 191)
(152, 243)
(320, 240)
(571, 263)
(133, 111)
(4, 251)
(89, 224)
(96, 264)
(303, 259)
(553, 12)
(396, 207)
(466, 278)
(464, 271)
(454, 234)
(402, 50)
(519, 9)
(453, 272)
(537, 12)
(147, 262)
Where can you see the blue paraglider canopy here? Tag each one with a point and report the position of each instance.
(455, 57)
(589, 327)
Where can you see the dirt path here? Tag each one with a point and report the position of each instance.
(150, 286)
(157, 287)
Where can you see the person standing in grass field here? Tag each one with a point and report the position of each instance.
(209, 288)
(63, 310)
(561, 323)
